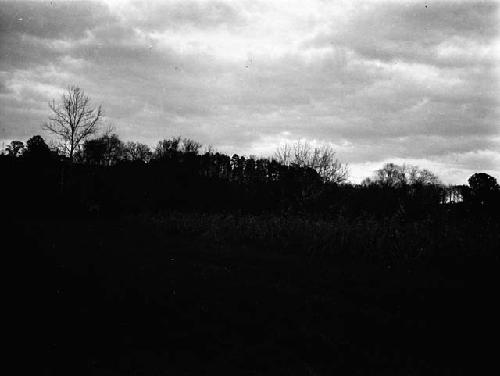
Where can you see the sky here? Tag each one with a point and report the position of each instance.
(413, 82)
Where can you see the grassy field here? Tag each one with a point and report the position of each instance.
(189, 294)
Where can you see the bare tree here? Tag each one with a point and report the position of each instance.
(322, 159)
(190, 146)
(395, 176)
(167, 149)
(135, 151)
(74, 119)
(391, 175)
(325, 162)
(422, 177)
(283, 154)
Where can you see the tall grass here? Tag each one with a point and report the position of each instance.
(391, 239)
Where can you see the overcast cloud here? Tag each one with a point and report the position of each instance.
(403, 81)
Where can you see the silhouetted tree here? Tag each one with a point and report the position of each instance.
(135, 151)
(114, 149)
(73, 119)
(36, 148)
(261, 169)
(167, 149)
(483, 188)
(250, 169)
(393, 175)
(420, 176)
(190, 146)
(15, 148)
(106, 150)
(483, 182)
(367, 181)
(283, 155)
(238, 166)
(390, 175)
(93, 152)
(322, 159)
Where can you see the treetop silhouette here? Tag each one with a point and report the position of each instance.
(73, 119)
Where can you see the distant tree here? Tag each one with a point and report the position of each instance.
(329, 168)
(210, 150)
(106, 150)
(114, 149)
(483, 182)
(135, 151)
(36, 148)
(223, 163)
(262, 169)
(250, 169)
(74, 120)
(190, 146)
(283, 155)
(416, 176)
(483, 187)
(367, 181)
(321, 159)
(237, 166)
(393, 175)
(15, 148)
(93, 152)
(167, 149)
(390, 175)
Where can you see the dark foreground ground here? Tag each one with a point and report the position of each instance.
(122, 297)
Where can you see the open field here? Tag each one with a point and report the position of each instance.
(189, 295)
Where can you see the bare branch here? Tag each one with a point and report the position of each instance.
(322, 159)
(73, 119)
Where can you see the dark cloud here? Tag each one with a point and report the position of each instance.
(415, 31)
(18, 52)
(37, 33)
(51, 19)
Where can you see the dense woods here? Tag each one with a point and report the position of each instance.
(109, 177)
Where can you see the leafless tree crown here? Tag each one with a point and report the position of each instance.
(394, 175)
(73, 119)
(322, 159)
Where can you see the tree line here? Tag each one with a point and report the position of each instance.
(98, 172)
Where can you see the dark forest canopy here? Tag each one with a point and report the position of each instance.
(112, 177)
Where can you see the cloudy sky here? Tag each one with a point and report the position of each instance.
(402, 81)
